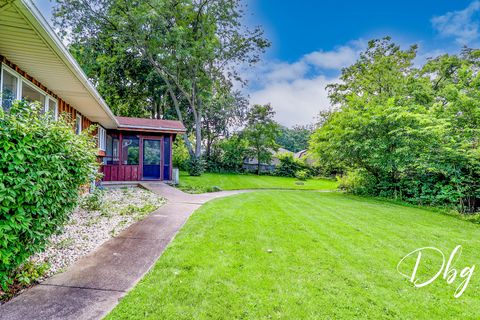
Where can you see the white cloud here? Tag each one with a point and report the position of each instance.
(461, 25)
(336, 59)
(295, 102)
(297, 90)
(285, 71)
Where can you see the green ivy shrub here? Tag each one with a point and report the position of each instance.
(196, 166)
(43, 164)
(180, 154)
(227, 155)
(288, 165)
(302, 175)
(357, 182)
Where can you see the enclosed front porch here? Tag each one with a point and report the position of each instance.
(136, 156)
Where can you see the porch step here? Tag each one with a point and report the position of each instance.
(118, 184)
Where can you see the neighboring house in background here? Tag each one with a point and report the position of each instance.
(304, 155)
(251, 164)
(35, 66)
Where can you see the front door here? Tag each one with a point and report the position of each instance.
(151, 159)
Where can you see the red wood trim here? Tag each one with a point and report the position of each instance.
(140, 157)
(171, 156)
(162, 158)
(120, 149)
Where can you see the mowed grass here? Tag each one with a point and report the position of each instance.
(305, 255)
(226, 181)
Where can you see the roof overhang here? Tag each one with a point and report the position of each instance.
(150, 129)
(28, 41)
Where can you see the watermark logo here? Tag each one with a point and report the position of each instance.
(446, 270)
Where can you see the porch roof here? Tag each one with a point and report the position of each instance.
(150, 125)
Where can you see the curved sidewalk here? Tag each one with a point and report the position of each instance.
(92, 286)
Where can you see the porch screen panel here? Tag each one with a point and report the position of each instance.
(130, 150)
(112, 150)
(151, 159)
(167, 157)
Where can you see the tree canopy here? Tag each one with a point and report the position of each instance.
(404, 131)
(261, 132)
(164, 52)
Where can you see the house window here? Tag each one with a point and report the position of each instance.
(78, 124)
(32, 95)
(14, 87)
(102, 138)
(52, 107)
(112, 150)
(130, 150)
(9, 85)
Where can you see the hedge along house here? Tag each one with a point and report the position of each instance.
(36, 67)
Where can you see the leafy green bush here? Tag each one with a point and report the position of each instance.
(357, 182)
(43, 163)
(180, 156)
(227, 155)
(288, 165)
(415, 134)
(301, 175)
(196, 166)
(30, 273)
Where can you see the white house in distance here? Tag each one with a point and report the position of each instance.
(251, 164)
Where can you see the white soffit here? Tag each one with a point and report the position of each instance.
(27, 40)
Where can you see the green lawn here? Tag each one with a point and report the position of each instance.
(225, 181)
(305, 255)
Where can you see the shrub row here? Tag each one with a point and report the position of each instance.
(43, 163)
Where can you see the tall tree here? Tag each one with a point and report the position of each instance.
(189, 44)
(406, 132)
(296, 138)
(225, 111)
(124, 80)
(261, 133)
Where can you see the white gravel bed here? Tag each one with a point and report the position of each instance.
(86, 230)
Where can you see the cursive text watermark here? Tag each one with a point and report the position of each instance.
(447, 269)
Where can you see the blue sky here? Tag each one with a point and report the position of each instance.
(313, 39)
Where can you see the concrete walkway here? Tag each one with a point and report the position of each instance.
(93, 286)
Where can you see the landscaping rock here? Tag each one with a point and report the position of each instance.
(87, 230)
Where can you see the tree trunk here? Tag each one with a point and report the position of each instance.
(258, 163)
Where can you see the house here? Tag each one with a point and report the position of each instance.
(304, 155)
(251, 164)
(35, 66)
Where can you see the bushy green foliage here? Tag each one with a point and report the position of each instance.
(288, 165)
(294, 139)
(196, 166)
(228, 155)
(30, 272)
(180, 156)
(302, 175)
(356, 181)
(42, 166)
(405, 132)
